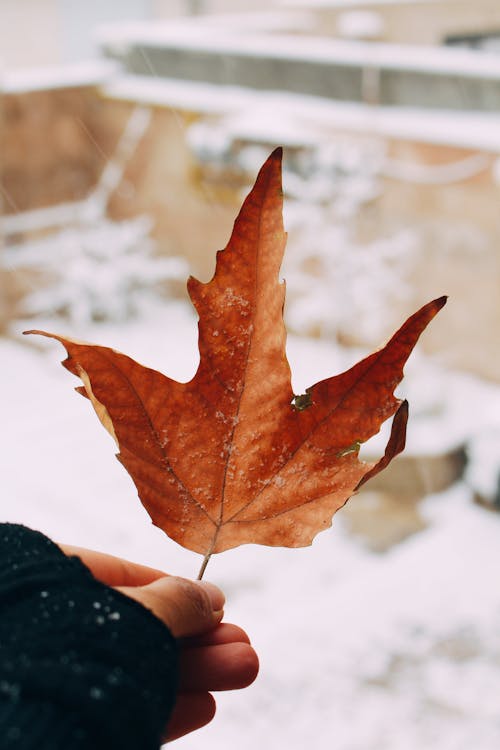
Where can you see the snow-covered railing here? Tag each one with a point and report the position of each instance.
(389, 74)
(306, 49)
(23, 81)
(278, 112)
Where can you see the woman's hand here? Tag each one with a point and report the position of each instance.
(213, 656)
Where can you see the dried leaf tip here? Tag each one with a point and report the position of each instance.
(440, 302)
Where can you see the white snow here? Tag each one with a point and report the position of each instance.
(360, 24)
(81, 263)
(293, 116)
(358, 651)
(43, 218)
(87, 73)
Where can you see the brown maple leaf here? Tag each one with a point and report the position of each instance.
(232, 456)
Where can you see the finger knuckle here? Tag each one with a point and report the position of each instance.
(196, 598)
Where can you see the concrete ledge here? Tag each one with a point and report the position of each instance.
(477, 130)
(389, 74)
(79, 75)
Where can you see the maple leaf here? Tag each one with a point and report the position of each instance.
(233, 456)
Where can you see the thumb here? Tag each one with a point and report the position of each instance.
(186, 607)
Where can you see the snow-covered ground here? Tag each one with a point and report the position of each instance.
(359, 651)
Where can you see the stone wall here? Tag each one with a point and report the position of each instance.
(53, 146)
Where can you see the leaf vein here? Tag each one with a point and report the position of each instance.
(142, 406)
(307, 437)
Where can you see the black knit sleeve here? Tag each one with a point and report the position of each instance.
(81, 665)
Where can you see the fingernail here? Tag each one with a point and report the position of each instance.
(216, 596)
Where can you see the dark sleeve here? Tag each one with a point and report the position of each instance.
(81, 665)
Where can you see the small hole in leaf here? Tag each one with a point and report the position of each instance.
(301, 402)
(353, 448)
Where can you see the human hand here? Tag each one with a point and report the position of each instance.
(213, 656)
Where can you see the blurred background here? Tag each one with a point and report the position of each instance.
(130, 132)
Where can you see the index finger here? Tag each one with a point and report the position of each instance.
(111, 570)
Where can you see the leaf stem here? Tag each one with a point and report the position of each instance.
(204, 565)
